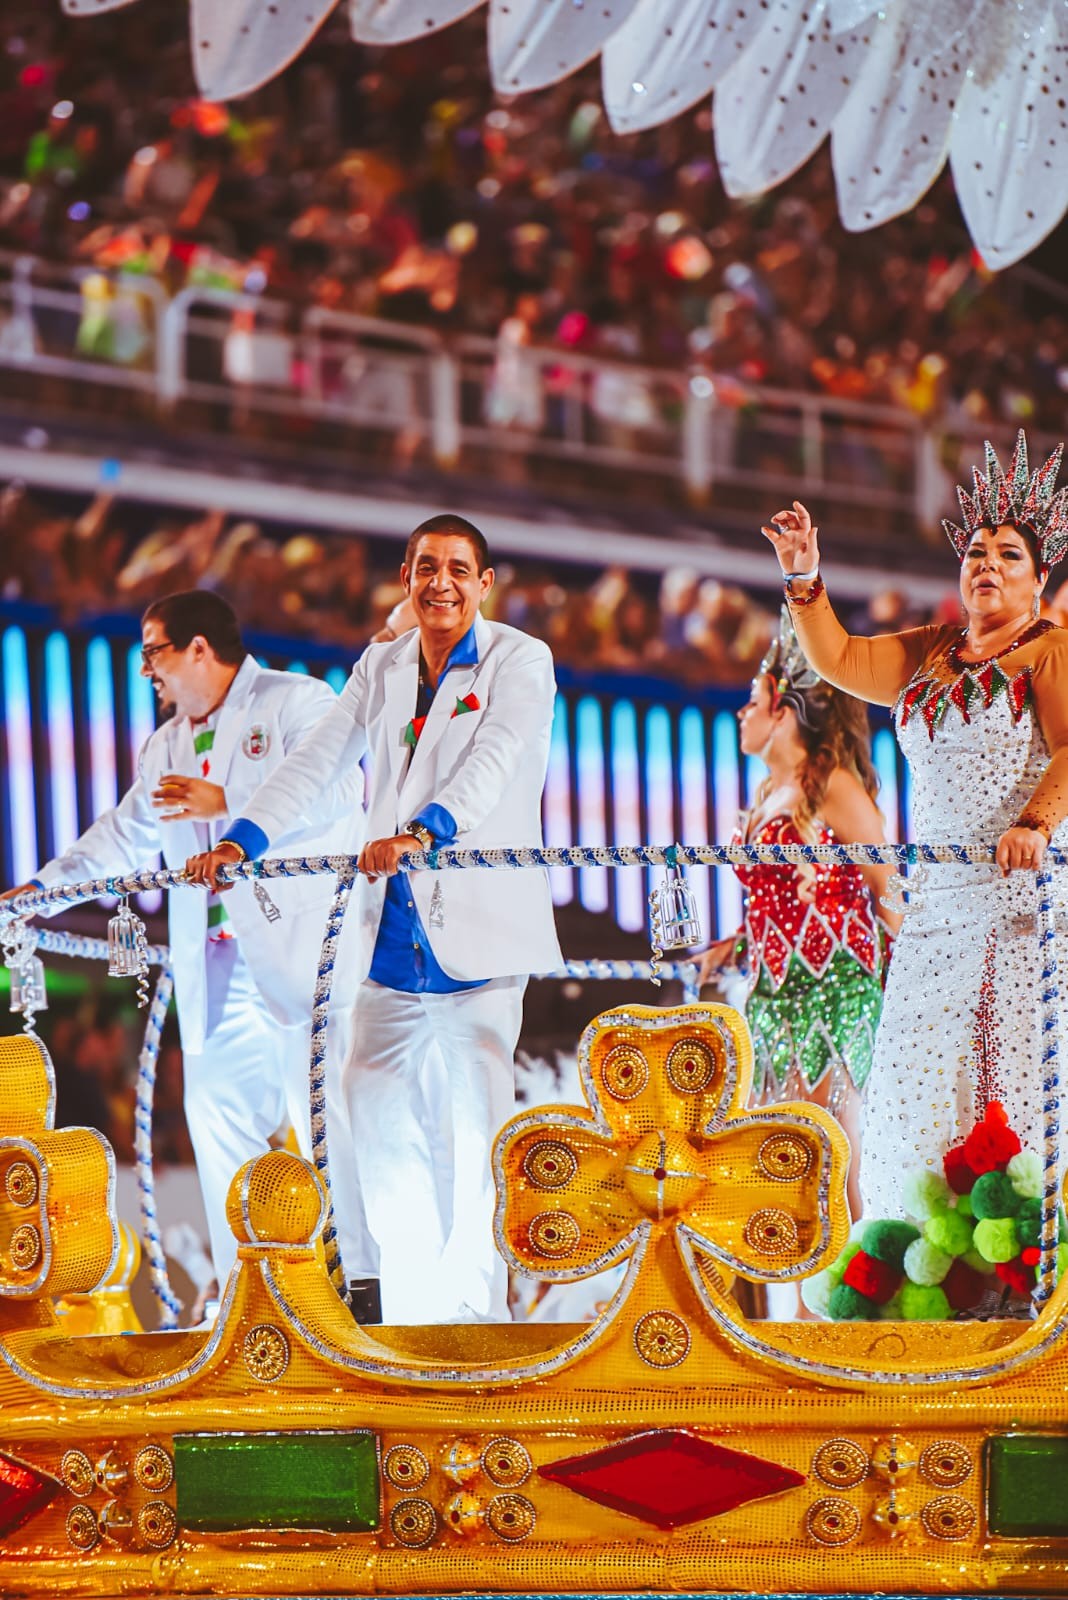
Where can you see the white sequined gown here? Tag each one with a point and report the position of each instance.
(960, 1020)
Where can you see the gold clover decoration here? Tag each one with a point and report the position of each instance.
(667, 1145)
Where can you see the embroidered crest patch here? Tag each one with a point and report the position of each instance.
(257, 741)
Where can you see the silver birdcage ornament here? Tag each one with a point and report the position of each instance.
(128, 949)
(28, 992)
(674, 922)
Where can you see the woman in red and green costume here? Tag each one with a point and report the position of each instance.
(812, 941)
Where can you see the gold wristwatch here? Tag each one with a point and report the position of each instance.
(420, 831)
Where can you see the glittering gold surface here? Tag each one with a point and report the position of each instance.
(885, 1424)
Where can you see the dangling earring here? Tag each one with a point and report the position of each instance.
(1036, 604)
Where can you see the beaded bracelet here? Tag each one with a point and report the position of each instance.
(805, 599)
(1035, 823)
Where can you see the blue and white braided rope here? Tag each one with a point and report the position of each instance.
(604, 971)
(1051, 1089)
(81, 947)
(170, 1305)
(346, 874)
(700, 855)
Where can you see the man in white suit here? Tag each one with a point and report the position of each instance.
(457, 716)
(243, 982)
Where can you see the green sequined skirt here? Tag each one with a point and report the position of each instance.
(812, 1026)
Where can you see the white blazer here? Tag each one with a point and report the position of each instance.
(485, 766)
(265, 716)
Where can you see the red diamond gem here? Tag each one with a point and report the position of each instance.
(670, 1477)
(23, 1492)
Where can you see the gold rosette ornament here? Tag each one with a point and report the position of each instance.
(667, 1148)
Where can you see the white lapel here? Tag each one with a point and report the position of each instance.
(230, 723)
(400, 688)
(453, 687)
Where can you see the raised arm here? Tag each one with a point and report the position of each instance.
(323, 763)
(876, 669)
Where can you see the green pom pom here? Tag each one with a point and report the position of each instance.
(1029, 1223)
(888, 1241)
(978, 1263)
(923, 1192)
(837, 1268)
(921, 1303)
(964, 1206)
(996, 1238)
(994, 1196)
(1062, 1259)
(846, 1305)
(949, 1231)
(925, 1264)
(816, 1294)
(1024, 1172)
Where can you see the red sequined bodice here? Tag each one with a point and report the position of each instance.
(807, 912)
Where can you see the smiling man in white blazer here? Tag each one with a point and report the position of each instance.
(244, 974)
(457, 716)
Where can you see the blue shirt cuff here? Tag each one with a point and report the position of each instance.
(441, 823)
(252, 839)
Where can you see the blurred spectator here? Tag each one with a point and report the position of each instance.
(396, 183)
(337, 590)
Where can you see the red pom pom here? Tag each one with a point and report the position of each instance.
(1020, 1278)
(991, 1142)
(878, 1280)
(1031, 1256)
(963, 1286)
(959, 1175)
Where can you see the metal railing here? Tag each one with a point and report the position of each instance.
(225, 358)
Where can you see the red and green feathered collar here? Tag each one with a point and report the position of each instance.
(974, 686)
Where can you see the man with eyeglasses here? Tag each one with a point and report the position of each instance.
(244, 977)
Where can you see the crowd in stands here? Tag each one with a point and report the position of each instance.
(338, 590)
(397, 183)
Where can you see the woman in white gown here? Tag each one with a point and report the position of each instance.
(981, 713)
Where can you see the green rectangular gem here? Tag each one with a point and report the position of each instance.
(1028, 1485)
(326, 1479)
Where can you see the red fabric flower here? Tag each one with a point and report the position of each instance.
(991, 1142)
(878, 1280)
(1031, 1256)
(1020, 1278)
(963, 1286)
(959, 1175)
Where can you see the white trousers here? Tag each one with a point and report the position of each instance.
(429, 1082)
(250, 1080)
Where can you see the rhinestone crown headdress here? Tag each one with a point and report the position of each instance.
(786, 665)
(1015, 497)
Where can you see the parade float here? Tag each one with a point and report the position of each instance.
(673, 1444)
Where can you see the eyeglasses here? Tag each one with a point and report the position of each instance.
(150, 651)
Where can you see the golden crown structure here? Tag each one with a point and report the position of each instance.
(670, 1445)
